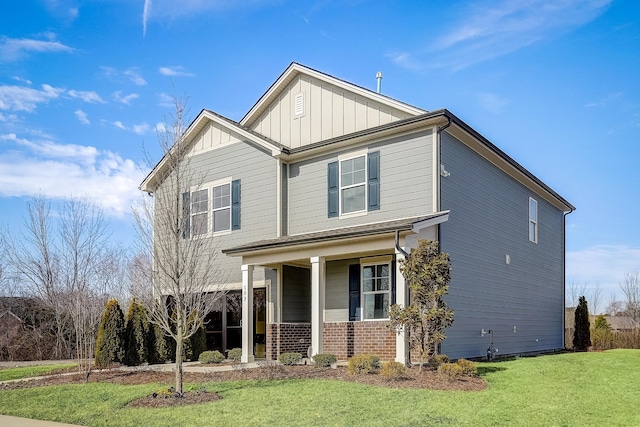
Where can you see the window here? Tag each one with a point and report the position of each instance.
(221, 196)
(352, 185)
(376, 283)
(533, 220)
(199, 212)
(224, 208)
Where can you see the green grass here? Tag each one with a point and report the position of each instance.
(572, 389)
(33, 371)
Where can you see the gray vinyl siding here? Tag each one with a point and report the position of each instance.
(296, 294)
(489, 220)
(405, 185)
(256, 170)
(337, 290)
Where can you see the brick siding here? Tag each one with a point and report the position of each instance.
(346, 339)
(287, 338)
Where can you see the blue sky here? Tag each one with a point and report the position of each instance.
(555, 84)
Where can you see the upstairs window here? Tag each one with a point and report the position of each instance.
(533, 220)
(353, 196)
(199, 212)
(221, 207)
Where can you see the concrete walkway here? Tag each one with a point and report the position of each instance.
(7, 421)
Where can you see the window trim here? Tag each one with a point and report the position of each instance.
(209, 186)
(533, 220)
(229, 207)
(374, 262)
(193, 214)
(364, 184)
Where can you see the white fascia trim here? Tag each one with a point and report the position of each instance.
(272, 148)
(417, 226)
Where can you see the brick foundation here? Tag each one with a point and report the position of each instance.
(287, 338)
(346, 339)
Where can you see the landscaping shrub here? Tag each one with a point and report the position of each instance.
(110, 341)
(198, 343)
(290, 359)
(364, 364)
(628, 339)
(469, 368)
(323, 360)
(438, 360)
(393, 371)
(234, 354)
(137, 335)
(581, 335)
(602, 336)
(159, 351)
(207, 357)
(450, 371)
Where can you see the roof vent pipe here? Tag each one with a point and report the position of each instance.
(379, 79)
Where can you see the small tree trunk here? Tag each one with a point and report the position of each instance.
(179, 347)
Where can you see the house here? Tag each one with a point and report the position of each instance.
(622, 323)
(316, 194)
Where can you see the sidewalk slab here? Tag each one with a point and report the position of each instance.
(8, 421)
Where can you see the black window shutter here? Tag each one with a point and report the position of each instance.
(235, 204)
(186, 215)
(393, 282)
(373, 181)
(354, 292)
(334, 191)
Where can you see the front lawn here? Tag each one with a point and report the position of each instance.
(33, 371)
(580, 389)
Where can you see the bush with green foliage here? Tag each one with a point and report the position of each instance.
(290, 359)
(235, 354)
(581, 335)
(469, 368)
(393, 370)
(198, 343)
(323, 360)
(159, 351)
(137, 335)
(438, 359)
(602, 335)
(451, 371)
(364, 364)
(110, 341)
(207, 357)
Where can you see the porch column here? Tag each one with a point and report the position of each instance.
(402, 299)
(247, 314)
(317, 303)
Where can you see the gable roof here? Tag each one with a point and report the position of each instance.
(150, 183)
(295, 69)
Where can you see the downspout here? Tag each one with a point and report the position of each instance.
(437, 173)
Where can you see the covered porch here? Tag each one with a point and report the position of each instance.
(333, 289)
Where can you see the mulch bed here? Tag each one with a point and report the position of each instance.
(427, 379)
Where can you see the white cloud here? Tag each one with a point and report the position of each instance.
(21, 79)
(119, 125)
(17, 49)
(603, 266)
(82, 117)
(140, 129)
(165, 100)
(177, 71)
(18, 98)
(126, 99)
(145, 16)
(486, 31)
(132, 74)
(405, 60)
(62, 170)
(87, 96)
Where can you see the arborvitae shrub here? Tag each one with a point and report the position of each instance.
(290, 359)
(393, 370)
(581, 336)
(364, 364)
(137, 335)
(235, 354)
(198, 343)
(438, 359)
(207, 357)
(323, 360)
(110, 341)
(158, 346)
(469, 368)
(451, 371)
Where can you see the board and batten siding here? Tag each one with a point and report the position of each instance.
(257, 172)
(406, 176)
(328, 112)
(522, 302)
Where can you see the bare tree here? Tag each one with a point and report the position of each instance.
(595, 295)
(630, 287)
(184, 284)
(614, 307)
(574, 290)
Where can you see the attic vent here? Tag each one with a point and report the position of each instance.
(299, 104)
